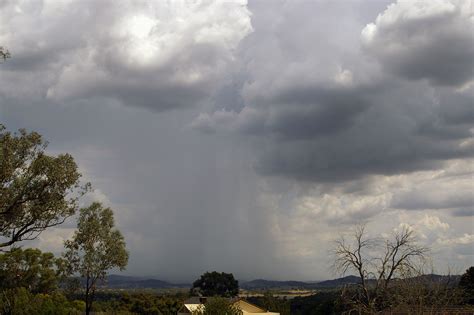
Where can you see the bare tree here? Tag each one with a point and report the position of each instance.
(423, 292)
(377, 261)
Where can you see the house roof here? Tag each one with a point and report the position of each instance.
(248, 307)
(195, 303)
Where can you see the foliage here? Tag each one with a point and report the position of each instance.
(37, 191)
(151, 304)
(272, 303)
(466, 283)
(137, 302)
(95, 248)
(216, 284)
(322, 303)
(20, 301)
(218, 306)
(377, 262)
(4, 53)
(30, 268)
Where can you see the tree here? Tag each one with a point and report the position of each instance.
(466, 283)
(30, 268)
(95, 248)
(275, 304)
(218, 306)
(216, 284)
(4, 53)
(378, 262)
(20, 301)
(37, 191)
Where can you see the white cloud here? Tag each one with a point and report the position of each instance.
(461, 240)
(160, 55)
(433, 223)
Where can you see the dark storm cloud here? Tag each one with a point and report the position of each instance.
(335, 117)
(418, 200)
(312, 112)
(317, 111)
(457, 108)
(424, 40)
(464, 212)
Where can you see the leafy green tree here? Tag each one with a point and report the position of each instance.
(95, 248)
(216, 284)
(466, 283)
(20, 301)
(275, 304)
(30, 268)
(37, 191)
(218, 306)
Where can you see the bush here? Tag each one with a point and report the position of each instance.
(20, 301)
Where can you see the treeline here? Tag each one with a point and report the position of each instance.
(32, 282)
(424, 297)
(21, 301)
(39, 191)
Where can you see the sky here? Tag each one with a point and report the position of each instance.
(246, 137)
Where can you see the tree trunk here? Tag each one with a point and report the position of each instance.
(88, 302)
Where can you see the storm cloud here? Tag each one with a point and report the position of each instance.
(222, 130)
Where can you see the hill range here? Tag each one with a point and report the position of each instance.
(130, 282)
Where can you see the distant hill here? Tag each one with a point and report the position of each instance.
(270, 284)
(262, 284)
(338, 282)
(128, 282)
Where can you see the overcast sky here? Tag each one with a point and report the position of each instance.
(245, 137)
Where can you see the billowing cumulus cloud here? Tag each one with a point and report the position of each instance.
(335, 117)
(154, 54)
(424, 40)
(291, 122)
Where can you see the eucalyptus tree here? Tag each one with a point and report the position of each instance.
(96, 247)
(32, 269)
(37, 190)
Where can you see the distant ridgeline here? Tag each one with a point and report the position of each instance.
(128, 282)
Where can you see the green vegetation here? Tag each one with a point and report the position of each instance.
(272, 303)
(218, 306)
(216, 284)
(95, 248)
(30, 268)
(34, 187)
(4, 53)
(20, 301)
(466, 284)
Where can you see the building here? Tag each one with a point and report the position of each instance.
(198, 303)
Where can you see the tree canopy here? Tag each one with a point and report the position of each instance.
(466, 283)
(216, 284)
(218, 306)
(4, 53)
(30, 268)
(37, 190)
(95, 248)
